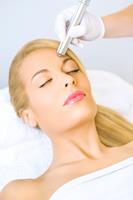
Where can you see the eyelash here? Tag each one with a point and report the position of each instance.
(76, 70)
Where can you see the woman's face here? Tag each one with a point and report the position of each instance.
(49, 80)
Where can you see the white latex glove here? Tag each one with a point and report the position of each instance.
(90, 28)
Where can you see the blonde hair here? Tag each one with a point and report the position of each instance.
(112, 128)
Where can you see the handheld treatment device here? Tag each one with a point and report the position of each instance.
(76, 20)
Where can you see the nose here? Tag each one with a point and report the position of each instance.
(69, 81)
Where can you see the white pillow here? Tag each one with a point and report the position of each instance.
(26, 152)
(112, 91)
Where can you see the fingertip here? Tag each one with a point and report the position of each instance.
(77, 42)
(74, 41)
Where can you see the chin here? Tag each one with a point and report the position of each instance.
(83, 112)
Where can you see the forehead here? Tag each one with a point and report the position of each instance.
(42, 56)
(38, 59)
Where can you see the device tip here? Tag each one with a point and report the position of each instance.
(58, 54)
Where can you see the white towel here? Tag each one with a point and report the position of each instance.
(111, 183)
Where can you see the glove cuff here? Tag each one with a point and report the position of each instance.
(102, 28)
(96, 28)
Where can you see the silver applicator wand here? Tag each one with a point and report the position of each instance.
(76, 20)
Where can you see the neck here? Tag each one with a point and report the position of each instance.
(77, 144)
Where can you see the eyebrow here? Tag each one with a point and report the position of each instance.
(46, 70)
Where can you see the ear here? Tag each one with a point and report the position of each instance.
(28, 116)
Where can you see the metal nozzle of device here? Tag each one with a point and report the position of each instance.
(76, 20)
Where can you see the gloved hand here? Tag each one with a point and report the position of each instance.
(90, 28)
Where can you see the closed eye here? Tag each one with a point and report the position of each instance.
(45, 83)
(76, 70)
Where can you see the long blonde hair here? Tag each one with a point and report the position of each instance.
(112, 128)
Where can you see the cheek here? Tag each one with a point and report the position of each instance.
(89, 93)
(85, 84)
(49, 114)
(40, 102)
(45, 107)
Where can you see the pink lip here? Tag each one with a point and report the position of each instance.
(74, 97)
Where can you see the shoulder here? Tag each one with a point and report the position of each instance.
(20, 189)
(11, 191)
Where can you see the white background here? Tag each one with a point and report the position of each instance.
(22, 21)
